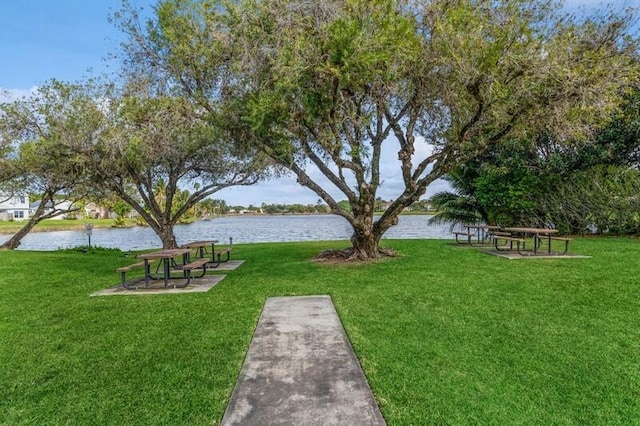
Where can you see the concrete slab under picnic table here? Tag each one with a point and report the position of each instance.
(301, 370)
(512, 255)
(197, 285)
(229, 265)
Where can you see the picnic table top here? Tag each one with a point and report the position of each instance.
(163, 254)
(533, 230)
(482, 226)
(195, 244)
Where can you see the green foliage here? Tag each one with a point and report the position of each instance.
(329, 83)
(294, 208)
(119, 222)
(91, 250)
(619, 142)
(422, 206)
(508, 184)
(214, 206)
(460, 206)
(39, 129)
(603, 199)
(578, 186)
(121, 209)
(344, 204)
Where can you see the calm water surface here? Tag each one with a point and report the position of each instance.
(243, 229)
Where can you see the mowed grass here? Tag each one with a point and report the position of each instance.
(445, 335)
(10, 227)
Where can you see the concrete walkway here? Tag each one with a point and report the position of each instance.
(301, 370)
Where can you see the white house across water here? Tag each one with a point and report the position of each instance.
(14, 207)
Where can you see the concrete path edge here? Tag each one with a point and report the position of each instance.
(301, 369)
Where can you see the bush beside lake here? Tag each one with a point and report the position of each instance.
(445, 334)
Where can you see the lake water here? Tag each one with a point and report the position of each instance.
(243, 229)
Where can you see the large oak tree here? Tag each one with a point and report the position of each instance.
(37, 132)
(161, 157)
(325, 85)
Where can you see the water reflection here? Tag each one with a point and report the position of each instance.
(243, 229)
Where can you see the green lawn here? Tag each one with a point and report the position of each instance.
(445, 334)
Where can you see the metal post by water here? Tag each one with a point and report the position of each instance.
(89, 229)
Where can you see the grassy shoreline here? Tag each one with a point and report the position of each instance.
(60, 225)
(445, 334)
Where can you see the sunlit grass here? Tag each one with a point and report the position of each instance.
(445, 334)
(61, 224)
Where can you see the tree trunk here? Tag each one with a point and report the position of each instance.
(167, 237)
(365, 241)
(364, 245)
(162, 227)
(15, 241)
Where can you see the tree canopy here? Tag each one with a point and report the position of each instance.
(211, 88)
(37, 131)
(578, 187)
(328, 83)
(159, 155)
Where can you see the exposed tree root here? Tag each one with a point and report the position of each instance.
(351, 256)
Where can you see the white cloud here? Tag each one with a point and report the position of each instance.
(9, 95)
(276, 191)
(286, 190)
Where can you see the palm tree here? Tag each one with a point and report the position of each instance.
(160, 192)
(460, 206)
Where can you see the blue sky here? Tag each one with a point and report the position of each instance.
(63, 39)
(71, 39)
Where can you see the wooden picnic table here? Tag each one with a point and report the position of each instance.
(201, 250)
(538, 235)
(216, 254)
(168, 258)
(481, 232)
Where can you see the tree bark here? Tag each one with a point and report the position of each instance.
(167, 237)
(364, 246)
(15, 241)
(365, 240)
(164, 231)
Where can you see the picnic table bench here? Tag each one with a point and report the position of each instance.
(224, 250)
(510, 241)
(189, 267)
(514, 239)
(480, 233)
(499, 234)
(540, 236)
(566, 243)
(208, 247)
(467, 235)
(124, 269)
(167, 257)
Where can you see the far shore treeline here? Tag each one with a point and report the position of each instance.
(205, 210)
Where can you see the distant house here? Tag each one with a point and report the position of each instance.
(95, 211)
(61, 205)
(386, 204)
(14, 207)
